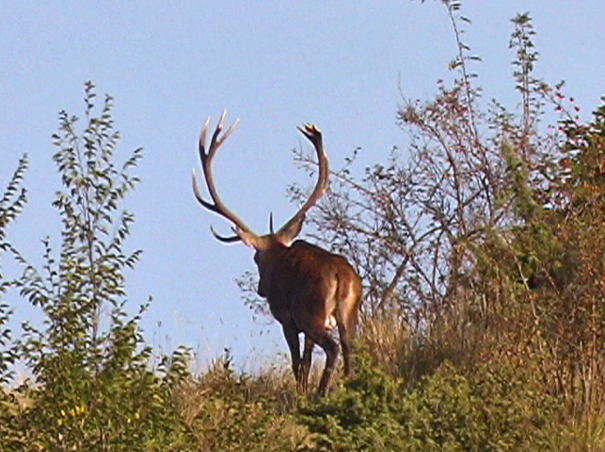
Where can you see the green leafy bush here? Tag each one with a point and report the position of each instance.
(488, 409)
(363, 413)
(92, 387)
(11, 204)
(483, 410)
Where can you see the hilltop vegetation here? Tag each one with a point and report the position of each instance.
(482, 252)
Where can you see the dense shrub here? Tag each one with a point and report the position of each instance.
(487, 409)
(91, 385)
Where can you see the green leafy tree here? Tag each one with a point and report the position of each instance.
(92, 386)
(11, 205)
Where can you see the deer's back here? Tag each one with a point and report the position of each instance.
(307, 275)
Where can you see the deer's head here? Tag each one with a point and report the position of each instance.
(267, 247)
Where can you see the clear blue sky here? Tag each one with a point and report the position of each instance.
(273, 64)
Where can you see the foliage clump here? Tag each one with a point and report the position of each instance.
(12, 203)
(490, 408)
(91, 386)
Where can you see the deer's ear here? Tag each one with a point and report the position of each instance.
(289, 232)
(250, 239)
(259, 243)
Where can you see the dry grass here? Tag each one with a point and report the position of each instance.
(236, 411)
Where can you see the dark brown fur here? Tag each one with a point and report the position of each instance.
(300, 283)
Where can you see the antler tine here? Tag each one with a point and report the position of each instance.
(198, 194)
(222, 238)
(206, 157)
(229, 130)
(215, 142)
(271, 231)
(203, 157)
(227, 133)
(292, 228)
(202, 142)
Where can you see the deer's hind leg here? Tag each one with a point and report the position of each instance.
(305, 366)
(291, 335)
(330, 347)
(346, 319)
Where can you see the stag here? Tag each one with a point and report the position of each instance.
(309, 290)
